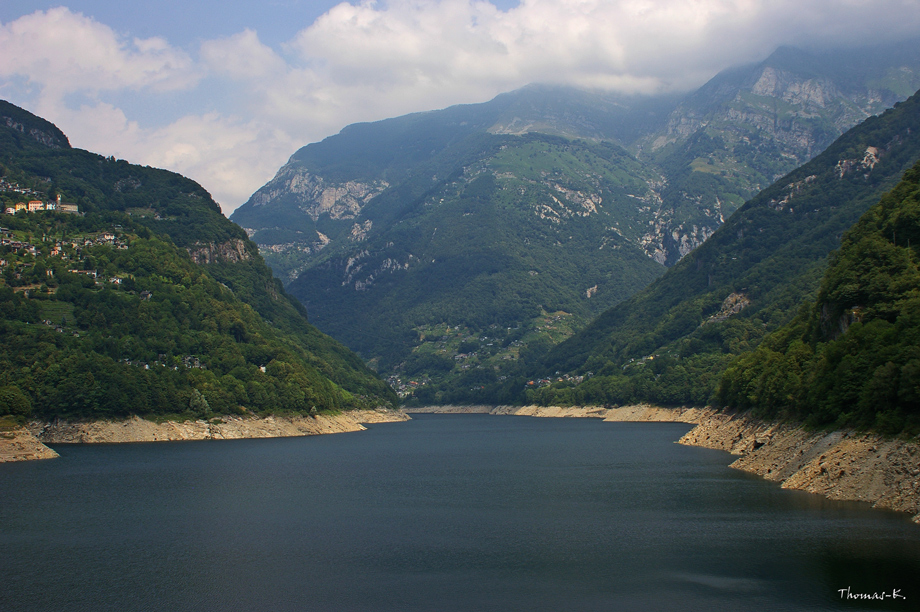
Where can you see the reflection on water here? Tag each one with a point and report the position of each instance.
(459, 512)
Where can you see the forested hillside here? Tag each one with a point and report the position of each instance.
(851, 357)
(523, 226)
(448, 247)
(147, 300)
(671, 342)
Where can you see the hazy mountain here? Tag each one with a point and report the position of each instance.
(749, 126)
(715, 147)
(517, 226)
(317, 198)
(542, 200)
(146, 301)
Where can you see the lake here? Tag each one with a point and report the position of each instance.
(443, 513)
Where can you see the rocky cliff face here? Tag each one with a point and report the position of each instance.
(799, 115)
(668, 239)
(786, 109)
(232, 251)
(45, 138)
(313, 202)
(317, 197)
(750, 126)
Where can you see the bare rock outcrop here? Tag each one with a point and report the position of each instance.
(317, 196)
(231, 251)
(21, 445)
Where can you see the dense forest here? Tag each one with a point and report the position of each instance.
(147, 300)
(671, 343)
(851, 357)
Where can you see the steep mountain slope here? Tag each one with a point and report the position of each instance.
(526, 223)
(496, 217)
(148, 301)
(852, 357)
(751, 125)
(714, 148)
(317, 199)
(670, 342)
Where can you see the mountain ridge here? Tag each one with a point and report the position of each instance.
(358, 218)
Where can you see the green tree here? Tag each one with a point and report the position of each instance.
(14, 402)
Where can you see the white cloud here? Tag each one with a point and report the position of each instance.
(242, 56)
(255, 104)
(458, 44)
(65, 52)
(230, 157)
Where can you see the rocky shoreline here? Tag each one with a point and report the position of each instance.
(841, 465)
(29, 442)
(21, 445)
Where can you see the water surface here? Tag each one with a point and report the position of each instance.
(445, 512)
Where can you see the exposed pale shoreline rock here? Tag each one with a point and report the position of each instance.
(28, 443)
(638, 413)
(20, 445)
(841, 465)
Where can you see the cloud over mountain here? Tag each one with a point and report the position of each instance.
(228, 111)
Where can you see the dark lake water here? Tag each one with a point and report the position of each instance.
(462, 512)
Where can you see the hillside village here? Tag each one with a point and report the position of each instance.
(37, 202)
(32, 260)
(28, 262)
(37, 205)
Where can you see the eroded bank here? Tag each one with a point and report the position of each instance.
(29, 442)
(842, 465)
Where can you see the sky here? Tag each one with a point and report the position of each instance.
(225, 91)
